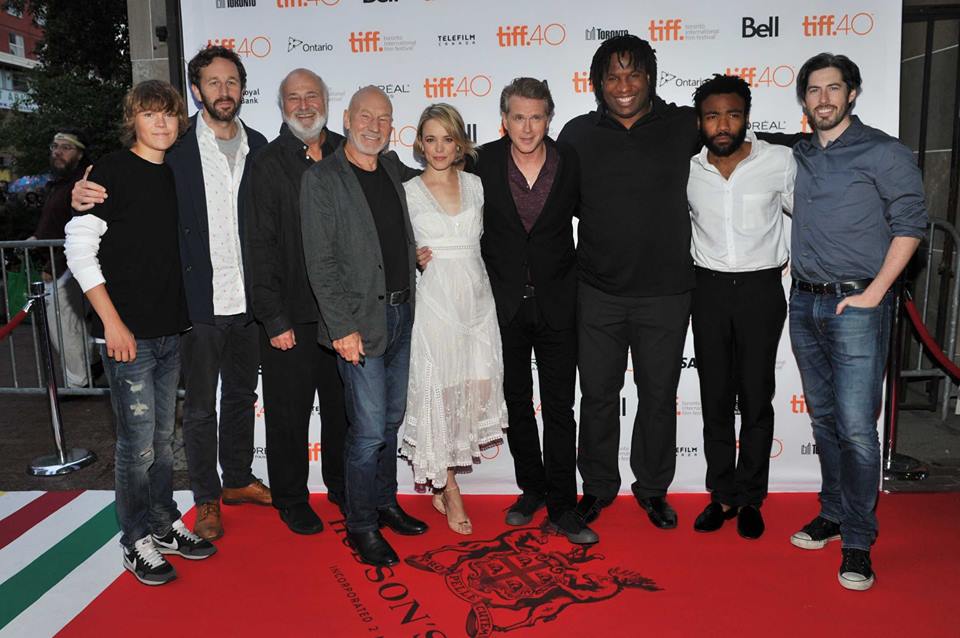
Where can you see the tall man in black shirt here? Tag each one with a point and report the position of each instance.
(361, 258)
(636, 272)
(295, 368)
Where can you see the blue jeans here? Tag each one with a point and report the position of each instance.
(376, 398)
(842, 361)
(144, 398)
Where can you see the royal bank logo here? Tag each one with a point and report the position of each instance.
(250, 96)
(598, 33)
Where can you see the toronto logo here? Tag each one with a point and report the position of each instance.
(524, 577)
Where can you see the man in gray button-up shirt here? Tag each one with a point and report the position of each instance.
(858, 217)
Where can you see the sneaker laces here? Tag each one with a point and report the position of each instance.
(182, 530)
(148, 552)
(856, 561)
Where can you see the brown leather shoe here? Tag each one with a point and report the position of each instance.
(208, 524)
(256, 493)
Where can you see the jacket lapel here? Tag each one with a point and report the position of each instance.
(510, 207)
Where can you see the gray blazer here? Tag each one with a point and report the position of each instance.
(342, 250)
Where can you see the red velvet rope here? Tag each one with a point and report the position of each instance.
(928, 341)
(17, 318)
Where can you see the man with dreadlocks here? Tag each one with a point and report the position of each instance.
(636, 272)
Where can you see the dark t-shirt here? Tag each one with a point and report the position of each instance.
(388, 218)
(139, 254)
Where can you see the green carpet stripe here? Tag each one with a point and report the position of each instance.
(33, 581)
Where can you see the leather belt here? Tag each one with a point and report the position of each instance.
(529, 292)
(398, 297)
(833, 287)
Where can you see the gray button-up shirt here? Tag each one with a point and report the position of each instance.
(851, 199)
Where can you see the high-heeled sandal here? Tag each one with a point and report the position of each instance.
(439, 500)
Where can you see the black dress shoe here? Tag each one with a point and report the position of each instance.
(400, 522)
(750, 522)
(713, 517)
(659, 511)
(373, 548)
(588, 509)
(301, 519)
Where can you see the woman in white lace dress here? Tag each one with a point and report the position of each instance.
(455, 400)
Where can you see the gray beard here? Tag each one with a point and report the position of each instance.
(305, 135)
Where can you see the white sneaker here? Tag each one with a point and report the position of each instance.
(147, 564)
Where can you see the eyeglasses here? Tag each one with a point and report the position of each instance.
(62, 147)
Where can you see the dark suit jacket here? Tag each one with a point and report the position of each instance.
(342, 250)
(547, 253)
(184, 160)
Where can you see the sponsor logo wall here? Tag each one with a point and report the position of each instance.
(423, 51)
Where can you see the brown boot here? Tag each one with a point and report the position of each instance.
(208, 525)
(256, 493)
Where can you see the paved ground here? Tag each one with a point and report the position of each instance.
(25, 434)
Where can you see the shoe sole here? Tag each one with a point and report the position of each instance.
(803, 543)
(150, 583)
(417, 533)
(209, 538)
(176, 552)
(244, 501)
(856, 585)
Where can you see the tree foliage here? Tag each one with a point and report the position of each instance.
(83, 74)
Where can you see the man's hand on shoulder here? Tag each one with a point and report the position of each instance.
(86, 194)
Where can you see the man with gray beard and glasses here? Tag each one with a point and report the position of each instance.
(295, 368)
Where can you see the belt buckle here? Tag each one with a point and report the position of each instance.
(529, 292)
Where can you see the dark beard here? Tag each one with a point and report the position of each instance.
(209, 107)
(730, 149)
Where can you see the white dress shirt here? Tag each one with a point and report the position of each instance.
(222, 187)
(737, 223)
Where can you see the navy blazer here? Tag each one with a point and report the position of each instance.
(184, 160)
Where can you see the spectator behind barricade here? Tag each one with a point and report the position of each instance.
(68, 159)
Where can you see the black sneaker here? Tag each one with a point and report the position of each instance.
(571, 526)
(855, 571)
(589, 506)
(816, 534)
(147, 564)
(182, 542)
(521, 512)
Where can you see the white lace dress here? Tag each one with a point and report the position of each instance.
(455, 396)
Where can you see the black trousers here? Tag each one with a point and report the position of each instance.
(291, 379)
(225, 352)
(737, 322)
(555, 473)
(654, 329)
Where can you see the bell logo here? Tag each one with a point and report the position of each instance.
(524, 35)
(365, 42)
(666, 30)
(582, 83)
(819, 26)
(798, 404)
(770, 29)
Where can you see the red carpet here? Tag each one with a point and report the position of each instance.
(518, 582)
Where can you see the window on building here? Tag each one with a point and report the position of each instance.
(16, 45)
(19, 82)
(6, 80)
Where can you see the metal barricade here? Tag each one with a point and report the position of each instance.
(916, 366)
(25, 254)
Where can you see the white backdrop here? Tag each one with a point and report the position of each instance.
(465, 51)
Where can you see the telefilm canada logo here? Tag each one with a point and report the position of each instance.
(456, 39)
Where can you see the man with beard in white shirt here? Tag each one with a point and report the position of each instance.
(738, 189)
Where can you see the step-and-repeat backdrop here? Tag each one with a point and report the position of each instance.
(465, 51)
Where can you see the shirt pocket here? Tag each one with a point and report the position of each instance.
(754, 210)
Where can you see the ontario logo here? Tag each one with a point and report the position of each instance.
(524, 577)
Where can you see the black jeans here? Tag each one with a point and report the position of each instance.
(654, 329)
(227, 353)
(555, 474)
(737, 322)
(291, 379)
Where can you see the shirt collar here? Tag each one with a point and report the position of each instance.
(294, 144)
(204, 132)
(602, 115)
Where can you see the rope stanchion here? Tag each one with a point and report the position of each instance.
(16, 321)
(929, 342)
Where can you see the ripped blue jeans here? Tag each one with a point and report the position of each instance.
(144, 398)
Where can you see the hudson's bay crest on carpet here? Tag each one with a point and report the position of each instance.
(61, 574)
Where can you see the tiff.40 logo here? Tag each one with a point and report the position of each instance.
(666, 30)
(525, 35)
(464, 86)
(365, 42)
(818, 26)
(258, 46)
(765, 76)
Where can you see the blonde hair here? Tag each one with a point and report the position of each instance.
(151, 95)
(451, 121)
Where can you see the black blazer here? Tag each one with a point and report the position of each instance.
(184, 160)
(547, 253)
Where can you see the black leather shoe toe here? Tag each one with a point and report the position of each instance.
(400, 522)
(373, 548)
(659, 511)
(713, 517)
(750, 522)
(301, 519)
